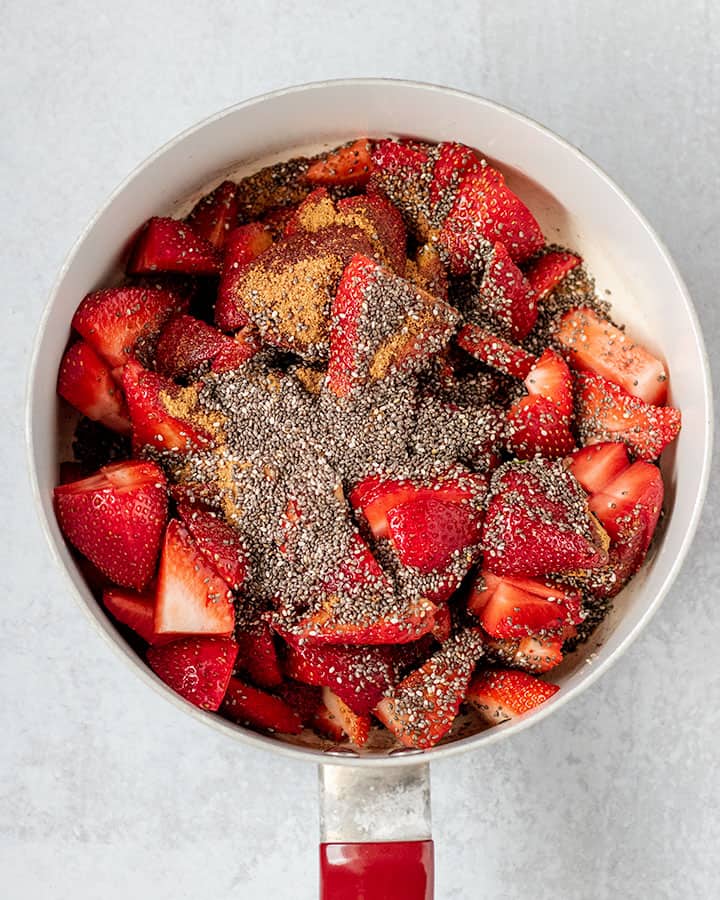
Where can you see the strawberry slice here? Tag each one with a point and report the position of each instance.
(495, 352)
(383, 222)
(596, 345)
(452, 162)
(539, 654)
(605, 412)
(422, 708)
(546, 273)
(355, 726)
(170, 245)
(257, 654)
(244, 346)
(597, 465)
(197, 668)
(550, 378)
(505, 297)
(215, 214)
(111, 321)
(186, 343)
(402, 172)
(392, 157)
(220, 543)
(427, 533)
(86, 383)
(137, 611)
(502, 694)
(116, 518)
(242, 246)
(247, 705)
(536, 427)
(538, 522)
(191, 598)
(152, 423)
(345, 166)
(326, 724)
(632, 501)
(302, 698)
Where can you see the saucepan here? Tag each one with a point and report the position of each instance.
(375, 803)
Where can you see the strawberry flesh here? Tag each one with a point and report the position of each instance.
(137, 611)
(502, 694)
(504, 297)
(597, 465)
(187, 343)
(347, 166)
(495, 352)
(242, 246)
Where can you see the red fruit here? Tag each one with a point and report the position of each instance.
(356, 727)
(546, 273)
(387, 222)
(111, 321)
(502, 694)
(326, 724)
(247, 705)
(277, 220)
(427, 533)
(191, 598)
(257, 654)
(597, 465)
(302, 698)
(550, 378)
(537, 522)
(116, 518)
(220, 543)
(495, 352)
(453, 161)
(197, 668)
(391, 157)
(536, 427)
(443, 623)
(152, 423)
(539, 654)
(244, 346)
(242, 246)
(186, 343)
(316, 211)
(215, 214)
(505, 297)
(596, 345)
(170, 245)
(86, 383)
(347, 166)
(137, 611)
(430, 272)
(605, 412)
(630, 502)
(422, 708)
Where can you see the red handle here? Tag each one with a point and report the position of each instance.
(401, 870)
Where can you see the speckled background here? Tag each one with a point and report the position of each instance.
(108, 791)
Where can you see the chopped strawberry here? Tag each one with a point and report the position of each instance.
(546, 273)
(247, 705)
(536, 427)
(191, 598)
(495, 352)
(347, 166)
(111, 321)
(170, 245)
(502, 694)
(401, 171)
(85, 382)
(632, 501)
(595, 345)
(186, 343)
(391, 157)
(197, 668)
(303, 698)
(242, 246)
(326, 724)
(215, 214)
(538, 522)
(220, 543)
(605, 412)
(276, 220)
(244, 346)
(316, 211)
(597, 465)
(452, 162)
(116, 518)
(550, 378)
(442, 629)
(422, 708)
(505, 297)
(137, 611)
(539, 654)
(355, 726)
(257, 654)
(384, 218)
(152, 423)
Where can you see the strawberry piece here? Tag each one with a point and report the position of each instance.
(316, 211)
(422, 708)
(632, 501)
(116, 518)
(302, 698)
(427, 533)
(495, 352)
(86, 383)
(392, 157)
(111, 321)
(539, 654)
(502, 694)
(452, 162)
(505, 297)
(152, 423)
(186, 343)
(538, 522)
(247, 705)
(401, 171)
(605, 412)
(327, 725)
(597, 465)
(215, 214)
(536, 427)
(137, 611)
(546, 273)
(442, 629)
(219, 542)
(170, 245)
(346, 166)
(550, 378)
(355, 726)
(242, 246)
(384, 220)
(257, 654)
(277, 220)
(191, 598)
(244, 346)
(197, 668)
(595, 345)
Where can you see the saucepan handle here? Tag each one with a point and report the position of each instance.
(375, 832)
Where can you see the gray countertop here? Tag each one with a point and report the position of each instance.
(105, 789)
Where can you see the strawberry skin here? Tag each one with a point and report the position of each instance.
(452, 162)
(186, 343)
(550, 378)
(257, 654)
(385, 219)
(219, 542)
(502, 694)
(244, 346)
(347, 166)
(197, 668)
(536, 427)
(169, 245)
(505, 297)
(86, 383)
(242, 246)
(215, 214)
(495, 352)
(116, 518)
(597, 465)
(632, 501)
(248, 705)
(546, 273)
(137, 611)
